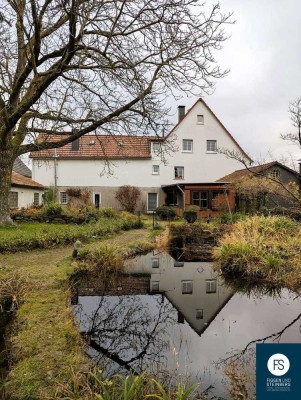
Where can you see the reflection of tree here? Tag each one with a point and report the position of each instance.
(275, 336)
(130, 331)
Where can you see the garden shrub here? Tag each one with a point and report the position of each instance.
(53, 209)
(128, 197)
(227, 218)
(190, 216)
(166, 212)
(107, 212)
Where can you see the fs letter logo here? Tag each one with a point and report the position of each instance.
(278, 364)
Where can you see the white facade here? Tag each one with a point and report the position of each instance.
(22, 197)
(197, 164)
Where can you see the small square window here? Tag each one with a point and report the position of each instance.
(156, 148)
(211, 146)
(199, 313)
(156, 169)
(63, 198)
(179, 172)
(187, 287)
(210, 285)
(155, 286)
(36, 199)
(187, 145)
(275, 174)
(155, 262)
(200, 119)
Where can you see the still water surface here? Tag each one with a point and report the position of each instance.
(187, 322)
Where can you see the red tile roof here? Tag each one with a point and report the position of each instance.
(241, 173)
(100, 147)
(114, 147)
(24, 181)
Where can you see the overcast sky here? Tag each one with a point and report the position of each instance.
(264, 55)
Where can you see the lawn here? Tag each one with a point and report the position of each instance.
(28, 236)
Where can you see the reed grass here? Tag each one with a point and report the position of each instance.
(266, 249)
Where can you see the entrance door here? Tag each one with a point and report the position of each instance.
(152, 201)
(97, 200)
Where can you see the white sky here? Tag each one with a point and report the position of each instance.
(264, 55)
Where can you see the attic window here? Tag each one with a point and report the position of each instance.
(75, 145)
(156, 147)
(275, 174)
(200, 119)
(120, 143)
(92, 142)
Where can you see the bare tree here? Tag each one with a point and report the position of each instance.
(70, 67)
(295, 116)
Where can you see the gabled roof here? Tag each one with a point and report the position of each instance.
(21, 168)
(258, 169)
(114, 146)
(99, 147)
(217, 119)
(24, 181)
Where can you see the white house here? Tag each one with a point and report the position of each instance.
(137, 161)
(24, 191)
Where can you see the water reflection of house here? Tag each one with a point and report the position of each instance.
(194, 288)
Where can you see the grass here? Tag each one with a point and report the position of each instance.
(120, 387)
(264, 249)
(28, 236)
(44, 342)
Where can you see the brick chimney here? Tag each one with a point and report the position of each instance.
(181, 113)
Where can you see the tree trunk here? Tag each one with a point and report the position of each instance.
(6, 166)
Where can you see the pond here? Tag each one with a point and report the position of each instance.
(180, 318)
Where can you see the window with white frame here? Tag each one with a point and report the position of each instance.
(152, 201)
(187, 287)
(36, 199)
(155, 286)
(187, 145)
(275, 174)
(179, 172)
(156, 169)
(200, 119)
(210, 285)
(63, 198)
(156, 147)
(13, 198)
(211, 146)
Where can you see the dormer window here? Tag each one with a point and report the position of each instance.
(156, 148)
(75, 145)
(200, 119)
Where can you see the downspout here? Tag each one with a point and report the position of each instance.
(55, 171)
(179, 187)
